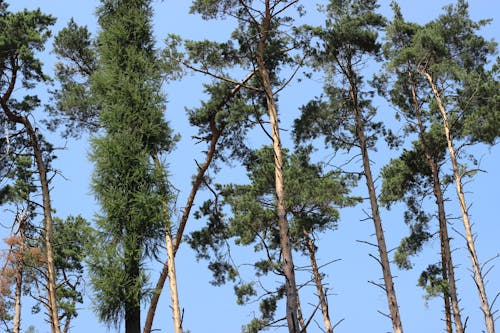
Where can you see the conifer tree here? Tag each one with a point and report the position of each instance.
(23, 34)
(453, 60)
(313, 199)
(418, 171)
(263, 49)
(345, 116)
(127, 87)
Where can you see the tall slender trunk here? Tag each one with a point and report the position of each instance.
(216, 134)
(478, 278)
(16, 327)
(172, 278)
(319, 284)
(446, 295)
(286, 250)
(446, 258)
(47, 212)
(379, 231)
(17, 298)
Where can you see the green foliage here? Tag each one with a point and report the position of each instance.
(313, 199)
(127, 87)
(22, 37)
(231, 117)
(23, 34)
(74, 106)
(349, 38)
(431, 280)
(458, 58)
(73, 238)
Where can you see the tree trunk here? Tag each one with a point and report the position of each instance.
(286, 250)
(319, 284)
(446, 258)
(17, 296)
(216, 134)
(67, 324)
(478, 278)
(132, 303)
(19, 263)
(379, 231)
(172, 278)
(46, 202)
(47, 212)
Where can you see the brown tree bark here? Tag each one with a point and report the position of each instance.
(379, 231)
(311, 248)
(286, 250)
(46, 201)
(446, 258)
(476, 267)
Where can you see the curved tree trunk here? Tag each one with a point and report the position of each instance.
(476, 267)
(216, 134)
(46, 201)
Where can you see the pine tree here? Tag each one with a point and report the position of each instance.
(23, 34)
(453, 61)
(313, 199)
(345, 117)
(418, 171)
(263, 49)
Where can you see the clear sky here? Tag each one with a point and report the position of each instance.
(355, 301)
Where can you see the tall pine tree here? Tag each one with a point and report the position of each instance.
(345, 117)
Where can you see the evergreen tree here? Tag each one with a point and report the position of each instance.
(453, 59)
(313, 199)
(126, 85)
(344, 117)
(418, 171)
(264, 45)
(23, 34)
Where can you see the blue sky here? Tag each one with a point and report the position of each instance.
(355, 301)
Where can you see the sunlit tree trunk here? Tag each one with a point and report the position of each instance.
(172, 278)
(286, 249)
(476, 267)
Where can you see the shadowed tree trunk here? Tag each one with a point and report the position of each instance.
(446, 258)
(379, 231)
(46, 201)
(318, 281)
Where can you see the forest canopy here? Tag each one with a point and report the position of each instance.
(253, 166)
